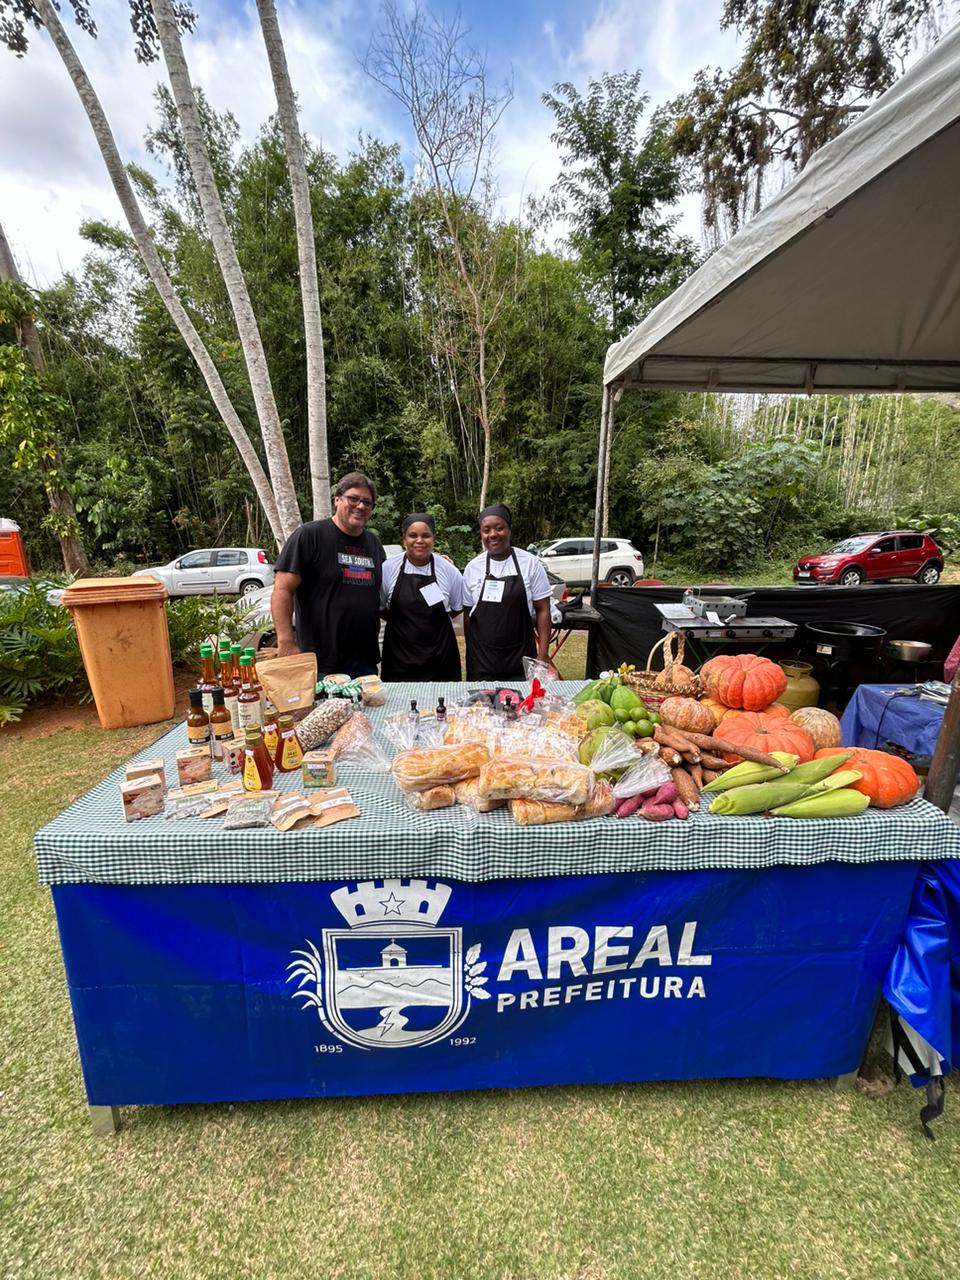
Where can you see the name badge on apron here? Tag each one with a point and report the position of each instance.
(492, 591)
(431, 594)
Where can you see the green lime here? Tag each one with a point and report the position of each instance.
(644, 729)
(622, 714)
(654, 717)
(631, 727)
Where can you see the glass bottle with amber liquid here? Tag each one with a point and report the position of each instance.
(257, 765)
(289, 753)
(221, 726)
(198, 722)
(251, 653)
(248, 699)
(208, 679)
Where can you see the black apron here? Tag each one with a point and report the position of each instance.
(418, 641)
(500, 635)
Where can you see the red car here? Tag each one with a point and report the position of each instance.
(874, 557)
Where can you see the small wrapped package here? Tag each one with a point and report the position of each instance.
(289, 811)
(333, 806)
(194, 765)
(249, 811)
(552, 781)
(142, 797)
(144, 768)
(423, 768)
(435, 798)
(467, 794)
(373, 691)
(318, 770)
(221, 798)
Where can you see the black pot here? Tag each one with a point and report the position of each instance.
(844, 641)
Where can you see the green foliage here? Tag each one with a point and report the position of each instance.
(39, 651)
(195, 620)
(808, 68)
(618, 192)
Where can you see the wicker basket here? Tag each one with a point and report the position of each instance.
(645, 683)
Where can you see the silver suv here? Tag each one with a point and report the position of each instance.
(231, 571)
(572, 560)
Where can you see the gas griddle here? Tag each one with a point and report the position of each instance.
(719, 630)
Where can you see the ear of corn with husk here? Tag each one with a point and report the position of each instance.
(841, 803)
(757, 798)
(748, 773)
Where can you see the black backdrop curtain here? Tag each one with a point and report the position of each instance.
(631, 625)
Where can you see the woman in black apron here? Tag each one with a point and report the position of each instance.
(500, 629)
(419, 642)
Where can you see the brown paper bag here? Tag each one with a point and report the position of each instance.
(290, 683)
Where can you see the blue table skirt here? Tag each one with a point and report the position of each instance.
(873, 717)
(203, 993)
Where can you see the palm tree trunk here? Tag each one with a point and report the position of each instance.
(307, 255)
(248, 330)
(155, 268)
(59, 497)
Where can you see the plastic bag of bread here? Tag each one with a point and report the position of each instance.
(354, 743)
(434, 798)
(553, 781)
(536, 813)
(533, 813)
(467, 794)
(426, 767)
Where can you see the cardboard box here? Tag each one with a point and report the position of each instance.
(194, 765)
(144, 768)
(318, 770)
(142, 797)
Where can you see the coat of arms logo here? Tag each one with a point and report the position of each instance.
(393, 978)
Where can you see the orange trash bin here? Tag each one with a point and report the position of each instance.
(122, 628)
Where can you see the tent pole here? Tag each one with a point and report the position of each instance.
(945, 764)
(606, 415)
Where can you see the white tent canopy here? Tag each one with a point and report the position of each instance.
(849, 280)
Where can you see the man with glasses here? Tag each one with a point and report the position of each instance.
(331, 571)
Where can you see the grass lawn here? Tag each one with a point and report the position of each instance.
(719, 1180)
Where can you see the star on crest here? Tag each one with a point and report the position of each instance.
(392, 905)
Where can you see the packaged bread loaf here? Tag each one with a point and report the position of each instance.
(426, 767)
(531, 813)
(534, 813)
(435, 798)
(467, 794)
(554, 781)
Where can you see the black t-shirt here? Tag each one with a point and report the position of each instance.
(338, 599)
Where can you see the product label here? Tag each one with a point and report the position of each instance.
(251, 774)
(249, 715)
(198, 735)
(221, 734)
(270, 739)
(208, 700)
(291, 755)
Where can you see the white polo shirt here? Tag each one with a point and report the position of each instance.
(535, 580)
(449, 581)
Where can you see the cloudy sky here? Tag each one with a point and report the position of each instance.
(51, 174)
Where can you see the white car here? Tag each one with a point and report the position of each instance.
(231, 571)
(571, 559)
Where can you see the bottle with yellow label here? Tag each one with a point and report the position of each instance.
(271, 734)
(289, 753)
(257, 765)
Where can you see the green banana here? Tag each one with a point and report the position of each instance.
(842, 778)
(815, 770)
(832, 804)
(758, 797)
(747, 773)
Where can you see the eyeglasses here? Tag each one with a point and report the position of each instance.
(358, 502)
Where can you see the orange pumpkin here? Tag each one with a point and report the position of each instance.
(777, 709)
(766, 733)
(887, 779)
(720, 712)
(743, 680)
(688, 713)
(822, 726)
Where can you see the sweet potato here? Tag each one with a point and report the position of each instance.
(656, 812)
(680, 810)
(666, 794)
(627, 807)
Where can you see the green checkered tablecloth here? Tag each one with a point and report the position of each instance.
(91, 843)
